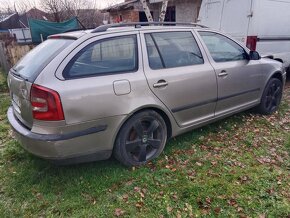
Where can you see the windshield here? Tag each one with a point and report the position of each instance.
(32, 63)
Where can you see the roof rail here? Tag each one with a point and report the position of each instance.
(104, 28)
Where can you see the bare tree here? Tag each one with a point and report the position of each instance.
(5, 9)
(113, 2)
(55, 7)
(85, 10)
(17, 6)
(24, 6)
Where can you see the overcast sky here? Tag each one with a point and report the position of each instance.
(99, 3)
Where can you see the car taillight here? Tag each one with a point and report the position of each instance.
(252, 42)
(46, 104)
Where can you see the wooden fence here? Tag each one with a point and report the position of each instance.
(11, 52)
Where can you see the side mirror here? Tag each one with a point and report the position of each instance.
(254, 55)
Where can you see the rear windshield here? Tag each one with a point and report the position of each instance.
(31, 64)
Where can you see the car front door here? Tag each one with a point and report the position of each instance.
(238, 78)
(180, 75)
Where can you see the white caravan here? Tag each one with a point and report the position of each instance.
(263, 25)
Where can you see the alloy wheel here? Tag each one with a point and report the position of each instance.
(144, 139)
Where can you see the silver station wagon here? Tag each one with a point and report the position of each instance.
(124, 89)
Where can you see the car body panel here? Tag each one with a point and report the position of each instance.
(98, 91)
(191, 92)
(20, 98)
(72, 147)
(194, 97)
(242, 83)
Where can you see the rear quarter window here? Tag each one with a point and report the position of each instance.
(104, 57)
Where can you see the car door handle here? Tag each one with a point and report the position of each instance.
(160, 84)
(223, 73)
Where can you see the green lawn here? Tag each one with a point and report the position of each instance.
(238, 167)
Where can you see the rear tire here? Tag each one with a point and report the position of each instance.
(271, 97)
(141, 139)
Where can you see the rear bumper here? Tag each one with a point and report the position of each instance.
(60, 147)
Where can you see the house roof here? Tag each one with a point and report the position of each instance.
(120, 6)
(7, 17)
(15, 20)
(10, 22)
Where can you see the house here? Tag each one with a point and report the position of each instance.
(17, 24)
(16, 20)
(132, 11)
(33, 13)
(10, 21)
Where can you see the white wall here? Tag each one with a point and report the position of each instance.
(187, 10)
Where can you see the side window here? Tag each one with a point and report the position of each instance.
(221, 48)
(114, 55)
(172, 49)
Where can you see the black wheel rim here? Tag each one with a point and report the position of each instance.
(144, 139)
(273, 97)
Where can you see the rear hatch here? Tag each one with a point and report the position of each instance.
(22, 76)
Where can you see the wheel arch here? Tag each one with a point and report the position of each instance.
(277, 75)
(160, 111)
(279, 59)
(262, 108)
(162, 114)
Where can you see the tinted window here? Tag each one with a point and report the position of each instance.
(32, 63)
(113, 55)
(172, 49)
(221, 48)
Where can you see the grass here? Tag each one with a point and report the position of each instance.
(3, 82)
(238, 167)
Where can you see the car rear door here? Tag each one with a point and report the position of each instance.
(179, 74)
(239, 79)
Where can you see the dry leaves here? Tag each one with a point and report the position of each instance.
(119, 212)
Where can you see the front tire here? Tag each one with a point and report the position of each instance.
(271, 97)
(141, 139)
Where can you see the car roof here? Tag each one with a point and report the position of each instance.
(124, 27)
(139, 25)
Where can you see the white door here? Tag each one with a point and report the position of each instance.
(211, 13)
(236, 15)
(229, 16)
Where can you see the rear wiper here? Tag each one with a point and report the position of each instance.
(15, 73)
